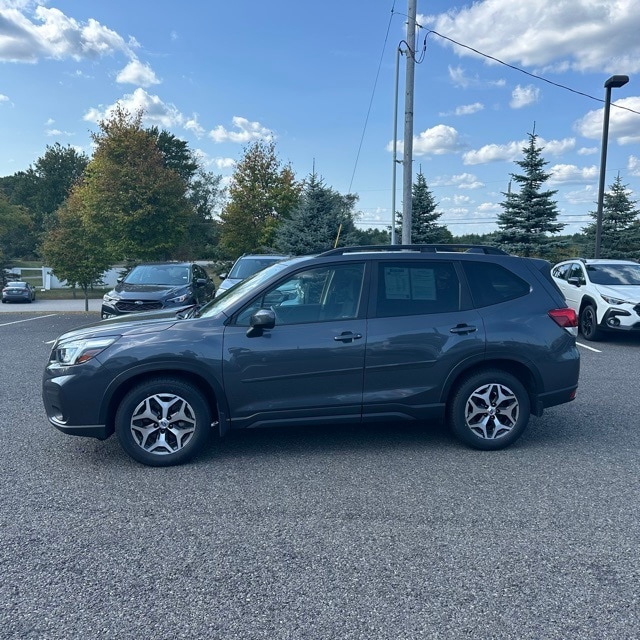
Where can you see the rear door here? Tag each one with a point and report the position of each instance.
(421, 328)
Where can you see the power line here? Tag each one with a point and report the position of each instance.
(532, 75)
(373, 92)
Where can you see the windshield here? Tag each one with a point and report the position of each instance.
(232, 295)
(246, 267)
(158, 274)
(614, 275)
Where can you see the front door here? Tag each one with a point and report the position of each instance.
(309, 367)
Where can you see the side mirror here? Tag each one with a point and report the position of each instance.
(261, 320)
(574, 281)
(201, 282)
(222, 276)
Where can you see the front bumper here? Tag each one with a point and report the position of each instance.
(72, 402)
(616, 319)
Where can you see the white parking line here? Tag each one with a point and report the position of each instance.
(584, 346)
(50, 315)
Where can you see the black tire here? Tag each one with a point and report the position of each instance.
(170, 438)
(589, 323)
(489, 410)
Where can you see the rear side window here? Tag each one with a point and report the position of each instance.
(410, 288)
(491, 283)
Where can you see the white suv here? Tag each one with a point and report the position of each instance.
(604, 293)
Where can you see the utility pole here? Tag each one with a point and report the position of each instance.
(407, 162)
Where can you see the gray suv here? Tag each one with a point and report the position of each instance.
(466, 334)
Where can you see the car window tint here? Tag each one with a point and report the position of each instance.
(561, 271)
(491, 283)
(315, 295)
(409, 288)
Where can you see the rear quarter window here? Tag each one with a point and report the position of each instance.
(491, 283)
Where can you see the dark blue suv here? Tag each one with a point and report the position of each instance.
(466, 334)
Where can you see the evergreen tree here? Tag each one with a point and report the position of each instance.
(262, 194)
(322, 218)
(529, 215)
(620, 237)
(424, 216)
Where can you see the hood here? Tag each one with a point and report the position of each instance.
(128, 291)
(629, 293)
(132, 324)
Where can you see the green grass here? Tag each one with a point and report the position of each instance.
(67, 294)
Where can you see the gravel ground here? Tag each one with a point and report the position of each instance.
(388, 531)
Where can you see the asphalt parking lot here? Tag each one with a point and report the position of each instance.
(388, 531)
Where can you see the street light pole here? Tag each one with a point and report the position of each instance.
(614, 82)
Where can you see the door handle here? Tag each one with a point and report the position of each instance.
(463, 329)
(347, 336)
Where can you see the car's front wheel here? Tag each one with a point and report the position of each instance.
(163, 421)
(589, 323)
(489, 409)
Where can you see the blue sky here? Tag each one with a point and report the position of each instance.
(318, 78)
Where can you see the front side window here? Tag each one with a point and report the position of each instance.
(576, 272)
(315, 295)
(410, 288)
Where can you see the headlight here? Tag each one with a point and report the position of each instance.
(610, 300)
(109, 297)
(66, 354)
(179, 299)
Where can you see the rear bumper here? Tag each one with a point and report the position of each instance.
(553, 398)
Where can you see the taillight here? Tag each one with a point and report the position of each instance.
(565, 317)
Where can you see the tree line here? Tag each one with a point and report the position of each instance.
(144, 195)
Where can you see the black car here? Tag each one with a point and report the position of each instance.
(18, 292)
(151, 287)
(475, 337)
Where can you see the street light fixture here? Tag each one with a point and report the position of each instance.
(614, 82)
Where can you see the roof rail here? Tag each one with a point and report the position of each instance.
(419, 248)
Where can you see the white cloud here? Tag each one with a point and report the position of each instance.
(156, 112)
(224, 163)
(51, 34)
(3, 98)
(633, 166)
(246, 132)
(570, 173)
(524, 96)
(137, 73)
(514, 150)
(438, 140)
(461, 200)
(489, 207)
(623, 124)
(587, 151)
(459, 78)
(193, 125)
(582, 35)
(465, 110)
(460, 181)
(586, 196)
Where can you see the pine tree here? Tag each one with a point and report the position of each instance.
(530, 214)
(620, 236)
(424, 216)
(322, 218)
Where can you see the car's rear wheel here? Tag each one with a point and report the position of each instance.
(589, 323)
(489, 409)
(162, 422)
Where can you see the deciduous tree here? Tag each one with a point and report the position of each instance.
(131, 199)
(262, 193)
